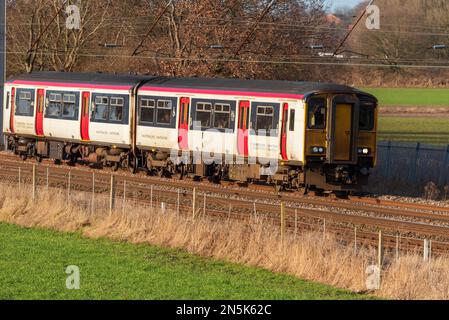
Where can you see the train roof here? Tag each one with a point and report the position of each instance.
(217, 84)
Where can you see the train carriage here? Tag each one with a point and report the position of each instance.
(290, 134)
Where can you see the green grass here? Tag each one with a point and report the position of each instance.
(425, 130)
(410, 96)
(33, 264)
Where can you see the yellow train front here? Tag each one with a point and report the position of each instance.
(340, 140)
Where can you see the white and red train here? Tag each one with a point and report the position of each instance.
(291, 134)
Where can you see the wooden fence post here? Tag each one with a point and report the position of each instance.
(112, 195)
(324, 229)
(34, 182)
(151, 196)
(380, 252)
(194, 204)
(48, 178)
(124, 197)
(296, 223)
(355, 240)
(178, 203)
(426, 250)
(282, 221)
(20, 179)
(204, 205)
(397, 246)
(69, 182)
(93, 193)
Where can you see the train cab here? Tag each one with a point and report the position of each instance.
(340, 136)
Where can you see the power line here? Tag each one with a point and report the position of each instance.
(279, 62)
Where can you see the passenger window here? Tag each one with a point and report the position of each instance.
(25, 104)
(367, 114)
(203, 115)
(222, 116)
(101, 108)
(164, 112)
(292, 120)
(116, 109)
(147, 111)
(54, 105)
(264, 120)
(317, 112)
(69, 106)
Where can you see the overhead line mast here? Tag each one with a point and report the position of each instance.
(254, 28)
(336, 52)
(136, 51)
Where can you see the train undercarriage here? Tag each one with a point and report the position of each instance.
(159, 163)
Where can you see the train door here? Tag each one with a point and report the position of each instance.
(40, 112)
(184, 117)
(12, 110)
(343, 123)
(294, 131)
(85, 116)
(243, 127)
(284, 131)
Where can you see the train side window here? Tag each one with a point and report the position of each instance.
(147, 111)
(367, 114)
(69, 106)
(317, 112)
(116, 109)
(54, 108)
(164, 112)
(222, 116)
(292, 120)
(264, 120)
(203, 115)
(25, 104)
(101, 108)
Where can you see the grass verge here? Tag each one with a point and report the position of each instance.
(33, 264)
(253, 243)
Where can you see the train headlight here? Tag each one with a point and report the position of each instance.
(364, 151)
(318, 150)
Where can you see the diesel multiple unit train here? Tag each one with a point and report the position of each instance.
(289, 134)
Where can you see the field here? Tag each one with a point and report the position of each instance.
(427, 130)
(33, 262)
(410, 96)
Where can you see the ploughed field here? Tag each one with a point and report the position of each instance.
(33, 264)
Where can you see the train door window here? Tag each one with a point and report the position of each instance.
(101, 108)
(264, 120)
(69, 106)
(116, 109)
(317, 112)
(292, 120)
(147, 111)
(222, 116)
(367, 114)
(54, 105)
(164, 112)
(7, 101)
(203, 115)
(25, 104)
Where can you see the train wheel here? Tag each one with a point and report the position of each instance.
(132, 164)
(279, 187)
(115, 166)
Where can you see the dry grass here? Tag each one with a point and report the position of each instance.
(309, 256)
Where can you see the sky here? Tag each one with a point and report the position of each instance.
(343, 3)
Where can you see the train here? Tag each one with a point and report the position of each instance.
(290, 134)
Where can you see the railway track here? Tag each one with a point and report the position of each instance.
(365, 214)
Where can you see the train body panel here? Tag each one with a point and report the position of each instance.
(287, 133)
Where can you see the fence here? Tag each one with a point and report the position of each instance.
(406, 168)
(96, 193)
